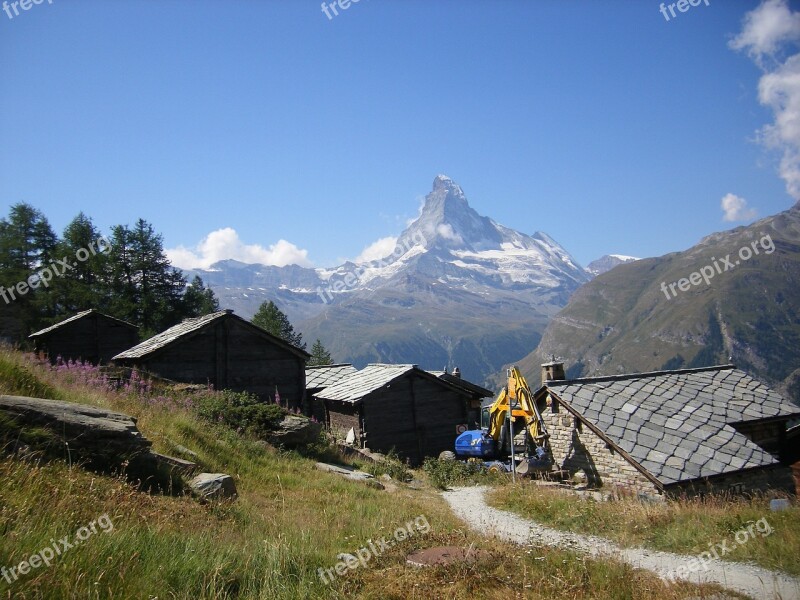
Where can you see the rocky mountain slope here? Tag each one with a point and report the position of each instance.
(734, 297)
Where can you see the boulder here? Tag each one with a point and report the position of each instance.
(78, 433)
(295, 431)
(213, 486)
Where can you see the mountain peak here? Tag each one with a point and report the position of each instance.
(448, 221)
(443, 182)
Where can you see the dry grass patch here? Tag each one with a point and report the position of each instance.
(687, 526)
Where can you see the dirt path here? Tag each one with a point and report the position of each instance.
(469, 505)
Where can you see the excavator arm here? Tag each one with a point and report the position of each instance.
(517, 397)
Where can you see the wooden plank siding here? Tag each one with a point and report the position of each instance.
(94, 338)
(770, 435)
(229, 354)
(417, 416)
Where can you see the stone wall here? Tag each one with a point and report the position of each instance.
(342, 416)
(576, 448)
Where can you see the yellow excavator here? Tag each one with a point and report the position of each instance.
(512, 412)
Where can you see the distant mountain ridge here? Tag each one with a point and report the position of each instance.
(608, 262)
(460, 289)
(748, 313)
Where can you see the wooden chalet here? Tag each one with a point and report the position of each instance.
(228, 352)
(90, 336)
(400, 407)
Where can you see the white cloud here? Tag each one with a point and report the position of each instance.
(446, 231)
(766, 31)
(767, 27)
(735, 209)
(377, 250)
(224, 244)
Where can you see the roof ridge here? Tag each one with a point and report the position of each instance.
(75, 317)
(392, 365)
(639, 375)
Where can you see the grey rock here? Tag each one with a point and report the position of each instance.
(183, 451)
(295, 431)
(91, 435)
(213, 486)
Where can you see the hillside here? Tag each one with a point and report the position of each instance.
(288, 523)
(630, 319)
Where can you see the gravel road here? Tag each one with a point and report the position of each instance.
(469, 505)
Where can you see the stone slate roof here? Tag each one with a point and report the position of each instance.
(77, 317)
(677, 424)
(191, 326)
(320, 377)
(356, 386)
(473, 389)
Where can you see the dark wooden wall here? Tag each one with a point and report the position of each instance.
(415, 416)
(229, 354)
(769, 435)
(94, 338)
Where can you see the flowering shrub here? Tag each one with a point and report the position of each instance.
(240, 411)
(74, 374)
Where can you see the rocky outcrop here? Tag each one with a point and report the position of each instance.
(93, 437)
(350, 473)
(295, 431)
(78, 433)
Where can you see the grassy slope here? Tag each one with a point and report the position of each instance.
(686, 527)
(288, 521)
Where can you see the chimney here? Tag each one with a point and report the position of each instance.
(457, 372)
(553, 371)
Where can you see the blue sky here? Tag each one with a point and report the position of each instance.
(600, 123)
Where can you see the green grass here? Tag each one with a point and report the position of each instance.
(18, 379)
(685, 526)
(288, 521)
(447, 473)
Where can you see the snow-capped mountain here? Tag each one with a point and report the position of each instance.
(481, 251)
(459, 289)
(608, 262)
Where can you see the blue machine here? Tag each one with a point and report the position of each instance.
(476, 443)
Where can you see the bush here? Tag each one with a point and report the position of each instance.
(240, 411)
(444, 473)
(391, 466)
